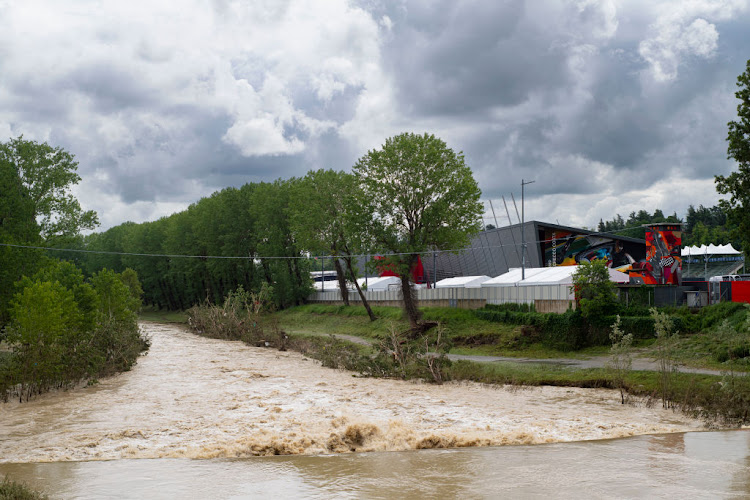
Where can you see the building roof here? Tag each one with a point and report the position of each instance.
(462, 282)
(560, 275)
(710, 250)
(570, 229)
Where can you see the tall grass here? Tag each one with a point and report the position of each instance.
(12, 490)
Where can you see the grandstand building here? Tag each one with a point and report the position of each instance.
(706, 261)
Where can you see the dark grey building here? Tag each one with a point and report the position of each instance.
(493, 252)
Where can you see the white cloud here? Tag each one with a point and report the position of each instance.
(163, 103)
(683, 29)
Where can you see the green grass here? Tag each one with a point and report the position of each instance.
(716, 398)
(469, 334)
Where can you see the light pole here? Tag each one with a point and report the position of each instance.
(523, 232)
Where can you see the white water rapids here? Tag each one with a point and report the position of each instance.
(194, 397)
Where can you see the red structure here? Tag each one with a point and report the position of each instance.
(741, 291)
(417, 272)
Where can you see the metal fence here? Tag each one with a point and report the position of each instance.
(468, 298)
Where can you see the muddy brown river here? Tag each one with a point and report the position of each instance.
(138, 435)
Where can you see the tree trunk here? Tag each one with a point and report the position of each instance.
(342, 281)
(349, 266)
(408, 294)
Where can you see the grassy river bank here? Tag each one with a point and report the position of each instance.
(722, 398)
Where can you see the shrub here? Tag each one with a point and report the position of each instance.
(239, 318)
(63, 331)
(523, 307)
(595, 292)
(564, 331)
(12, 490)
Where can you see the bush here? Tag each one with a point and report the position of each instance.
(565, 331)
(524, 307)
(12, 490)
(239, 318)
(64, 331)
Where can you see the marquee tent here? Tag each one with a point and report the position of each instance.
(710, 250)
(560, 275)
(462, 282)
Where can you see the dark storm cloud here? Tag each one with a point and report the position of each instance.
(465, 59)
(586, 97)
(110, 87)
(152, 172)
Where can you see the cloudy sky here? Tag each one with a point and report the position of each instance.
(609, 106)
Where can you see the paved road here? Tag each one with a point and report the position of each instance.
(639, 363)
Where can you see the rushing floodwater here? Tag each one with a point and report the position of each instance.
(192, 397)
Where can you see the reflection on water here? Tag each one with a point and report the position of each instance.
(692, 465)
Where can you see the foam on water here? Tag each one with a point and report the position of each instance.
(202, 398)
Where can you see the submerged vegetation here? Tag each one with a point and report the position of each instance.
(58, 328)
(12, 490)
(64, 329)
(397, 355)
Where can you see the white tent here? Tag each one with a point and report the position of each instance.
(710, 250)
(462, 282)
(560, 275)
(380, 284)
(373, 284)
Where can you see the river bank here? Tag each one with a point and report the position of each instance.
(195, 397)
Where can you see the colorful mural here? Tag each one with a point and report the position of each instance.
(658, 262)
(565, 248)
(663, 263)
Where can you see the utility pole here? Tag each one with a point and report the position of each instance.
(523, 232)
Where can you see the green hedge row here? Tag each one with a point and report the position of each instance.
(569, 331)
(565, 331)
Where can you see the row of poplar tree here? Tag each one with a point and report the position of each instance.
(412, 195)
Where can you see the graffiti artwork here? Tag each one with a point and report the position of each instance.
(660, 263)
(564, 248)
(663, 263)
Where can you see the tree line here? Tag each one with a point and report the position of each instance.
(412, 195)
(251, 222)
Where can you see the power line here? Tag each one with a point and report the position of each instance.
(287, 257)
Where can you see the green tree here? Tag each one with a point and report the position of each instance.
(17, 227)
(48, 173)
(424, 197)
(327, 219)
(596, 294)
(44, 319)
(130, 278)
(289, 276)
(737, 184)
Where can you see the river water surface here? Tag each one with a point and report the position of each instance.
(138, 434)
